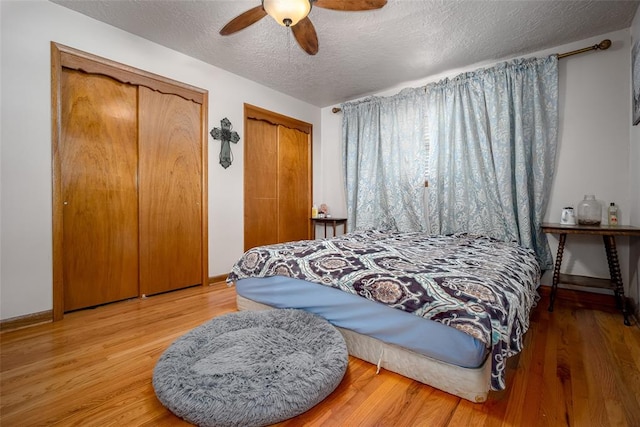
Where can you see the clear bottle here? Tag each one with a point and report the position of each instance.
(613, 214)
(589, 211)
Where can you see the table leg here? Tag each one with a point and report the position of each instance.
(612, 274)
(616, 275)
(556, 270)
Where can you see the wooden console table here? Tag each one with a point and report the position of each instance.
(608, 233)
(325, 221)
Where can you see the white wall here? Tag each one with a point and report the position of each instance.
(333, 185)
(634, 189)
(594, 147)
(28, 27)
(593, 153)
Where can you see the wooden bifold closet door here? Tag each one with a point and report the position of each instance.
(98, 153)
(277, 178)
(170, 190)
(129, 184)
(294, 183)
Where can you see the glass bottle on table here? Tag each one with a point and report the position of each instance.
(613, 214)
(589, 211)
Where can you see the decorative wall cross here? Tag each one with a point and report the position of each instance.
(226, 136)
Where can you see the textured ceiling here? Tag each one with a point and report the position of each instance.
(361, 52)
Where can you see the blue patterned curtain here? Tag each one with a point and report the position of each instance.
(384, 154)
(493, 136)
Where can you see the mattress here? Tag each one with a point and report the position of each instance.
(472, 384)
(477, 285)
(352, 312)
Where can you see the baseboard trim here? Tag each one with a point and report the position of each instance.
(217, 279)
(47, 316)
(588, 299)
(26, 320)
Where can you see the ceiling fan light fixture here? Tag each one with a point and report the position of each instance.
(287, 12)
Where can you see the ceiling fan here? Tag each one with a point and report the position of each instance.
(293, 14)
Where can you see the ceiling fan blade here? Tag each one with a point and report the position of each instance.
(305, 34)
(243, 20)
(350, 5)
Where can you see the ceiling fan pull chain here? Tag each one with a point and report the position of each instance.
(289, 32)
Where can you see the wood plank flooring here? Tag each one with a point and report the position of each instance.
(580, 367)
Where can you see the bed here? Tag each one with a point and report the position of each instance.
(444, 310)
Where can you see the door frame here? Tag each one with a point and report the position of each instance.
(66, 57)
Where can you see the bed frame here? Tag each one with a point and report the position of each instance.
(469, 384)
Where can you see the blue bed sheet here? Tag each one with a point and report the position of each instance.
(367, 317)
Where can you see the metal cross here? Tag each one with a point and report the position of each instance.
(226, 136)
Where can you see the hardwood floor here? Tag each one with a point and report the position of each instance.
(580, 367)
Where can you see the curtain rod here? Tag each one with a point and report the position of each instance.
(603, 45)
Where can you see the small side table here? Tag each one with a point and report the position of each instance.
(334, 221)
(608, 233)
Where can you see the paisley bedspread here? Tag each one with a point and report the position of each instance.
(481, 286)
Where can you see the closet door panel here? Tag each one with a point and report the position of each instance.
(98, 157)
(170, 193)
(260, 181)
(294, 184)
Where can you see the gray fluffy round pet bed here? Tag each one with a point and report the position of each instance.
(251, 368)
